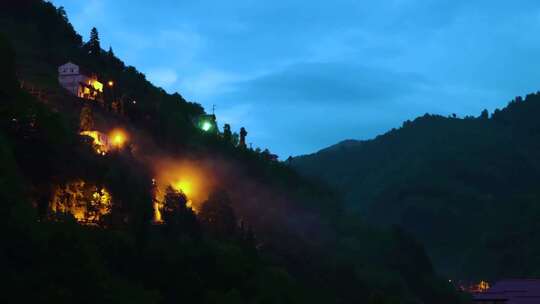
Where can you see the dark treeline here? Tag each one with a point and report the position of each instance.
(465, 187)
(224, 254)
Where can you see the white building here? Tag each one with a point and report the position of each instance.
(72, 79)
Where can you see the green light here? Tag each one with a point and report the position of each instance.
(206, 126)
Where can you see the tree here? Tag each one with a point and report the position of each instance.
(235, 139)
(173, 201)
(86, 119)
(227, 135)
(485, 114)
(176, 215)
(243, 134)
(266, 154)
(289, 160)
(94, 45)
(217, 215)
(62, 12)
(110, 52)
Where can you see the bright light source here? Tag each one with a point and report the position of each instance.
(185, 186)
(206, 126)
(98, 86)
(111, 83)
(118, 138)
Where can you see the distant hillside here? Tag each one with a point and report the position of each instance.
(467, 188)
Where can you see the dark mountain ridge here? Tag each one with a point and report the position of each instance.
(466, 187)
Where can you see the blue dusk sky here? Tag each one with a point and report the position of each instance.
(301, 75)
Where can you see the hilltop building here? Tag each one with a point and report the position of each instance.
(206, 122)
(71, 78)
(510, 292)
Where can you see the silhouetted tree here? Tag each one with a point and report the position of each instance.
(110, 52)
(243, 134)
(94, 45)
(173, 201)
(266, 154)
(289, 160)
(62, 12)
(227, 135)
(176, 215)
(235, 139)
(485, 114)
(217, 215)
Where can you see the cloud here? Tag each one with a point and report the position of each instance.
(330, 83)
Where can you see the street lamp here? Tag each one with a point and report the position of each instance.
(111, 83)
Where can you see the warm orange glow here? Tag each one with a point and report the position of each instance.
(482, 286)
(85, 201)
(118, 138)
(98, 86)
(157, 212)
(184, 185)
(111, 83)
(100, 141)
(104, 143)
(187, 176)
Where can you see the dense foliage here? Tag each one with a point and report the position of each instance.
(293, 245)
(467, 188)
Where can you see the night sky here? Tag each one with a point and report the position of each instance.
(302, 75)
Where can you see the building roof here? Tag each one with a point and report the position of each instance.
(77, 70)
(514, 291)
(69, 64)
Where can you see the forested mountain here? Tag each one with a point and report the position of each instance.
(79, 225)
(467, 188)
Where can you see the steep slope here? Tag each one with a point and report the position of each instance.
(294, 245)
(467, 188)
